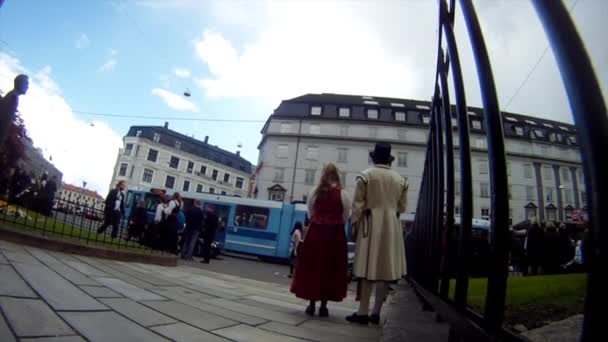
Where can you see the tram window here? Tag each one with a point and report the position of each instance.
(251, 217)
(222, 212)
(152, 201)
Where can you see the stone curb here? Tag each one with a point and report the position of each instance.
(58, 245)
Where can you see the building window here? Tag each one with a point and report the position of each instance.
(551, 214)
(312, 153)
(372, 114)
(568, 196)
(400, 116)
(315, 110)
(547, 173)
(309, 177)
(344, 130)
(123, 169)
(344, 112)
(128, 149)
(190, 167)
(457, 210)
(552, 137)
(203, 170)
(152, 155)
(174, 162)
(565, 175)
(519, 131)
(483, 167)
(530, 193)
(426, 119)
(528, 170)
(186, 186)
(239, 182)
(485, 213)
(373, 132)
(199, 188)
(170, 182)
(156, 137)
(402, 159)
(178, 145)
(147, 176)
(401, 134)
(476, 124)
(572, 139)
(276, 196)
(282, 151)
(226, 177)
(279, 174)
(211, 190)
(480, 142)
(530, 213)
(315, 129)
(136, 150)
(214, 174)
(549, 193)
(138, 133)
(223, 193)
(342, 155)
(484, 190)
(285, 127)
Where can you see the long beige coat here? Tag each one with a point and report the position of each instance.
(380, 253)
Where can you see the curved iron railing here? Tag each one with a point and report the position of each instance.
(430, 246)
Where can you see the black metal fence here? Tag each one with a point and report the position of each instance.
(70, 221)
(430, 244)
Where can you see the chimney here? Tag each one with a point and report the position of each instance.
(166, 125)
(238, 153)
(206, 139)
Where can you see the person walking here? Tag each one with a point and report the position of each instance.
(114, 209)
(534, 246)
(210, 224)
(194, 225)
(322, 268)
(170, 227)
(297, 237)
(380, 197)
(137, 224)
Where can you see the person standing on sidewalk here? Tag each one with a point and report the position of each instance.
(194, 225)
(322, 266)
(114, 209)
(169, 229)
(209, 228)
(380, 197)
(297, 237)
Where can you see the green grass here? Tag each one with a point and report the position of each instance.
(534, 300)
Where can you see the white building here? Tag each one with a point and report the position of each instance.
(77, 197)
(306, 132)
(156, 157)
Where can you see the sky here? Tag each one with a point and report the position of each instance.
(98, 67)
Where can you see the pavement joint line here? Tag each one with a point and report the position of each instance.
(39, 337)
(292, 335)
(3, 317)
(18, 297)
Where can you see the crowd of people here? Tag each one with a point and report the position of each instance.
(30, 191)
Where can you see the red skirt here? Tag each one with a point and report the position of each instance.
(321, 267)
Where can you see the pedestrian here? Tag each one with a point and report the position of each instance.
(114, 209)
(380, 197)
(169, 229)
(153, 233)
(9, 105)
(534, 246)
(297, 237)
(194, 225)
(551, 257)
(210, 225)
(322, 268)
(137, 224)
(566, 244)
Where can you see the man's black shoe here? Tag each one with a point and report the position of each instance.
(355, 318)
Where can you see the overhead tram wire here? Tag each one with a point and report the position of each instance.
(114, 115)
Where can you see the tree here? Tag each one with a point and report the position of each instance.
(13, 150)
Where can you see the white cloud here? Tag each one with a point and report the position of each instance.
(175, 101)
(82, 41)
(111, 62)
(81, 151)
(182, 72)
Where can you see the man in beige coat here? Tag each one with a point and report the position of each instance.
(380, 196)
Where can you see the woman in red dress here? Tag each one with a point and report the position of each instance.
(321, 269)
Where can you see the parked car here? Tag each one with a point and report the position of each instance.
(92, 215)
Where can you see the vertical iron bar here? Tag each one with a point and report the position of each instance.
(439, 203)
(499, 234)
(589, 111)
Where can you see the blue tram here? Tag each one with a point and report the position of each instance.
(246, 225)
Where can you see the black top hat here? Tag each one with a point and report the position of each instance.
(382, 153)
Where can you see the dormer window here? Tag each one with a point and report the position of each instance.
(395, 104)
(548, 125)
(138, 133)
(564, 128)
(423, 107)
(369, 102)
(531, 122)
(372, 114)
(315, 110)
(156, 137)
(511, 119)
(476, 124)
(552, 137)
(536, 133)
(573, 139)
(344, 112)
(178, 145)
(519, 131)
(400, 116)
(426, 119)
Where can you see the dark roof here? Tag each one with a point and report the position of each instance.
(415, 111)
(188, 144)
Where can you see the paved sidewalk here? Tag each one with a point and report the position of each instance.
(50, 296)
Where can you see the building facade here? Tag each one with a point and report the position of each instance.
(76, 197)
(304, 133)
(156, 157)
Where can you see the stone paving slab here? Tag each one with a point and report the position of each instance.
(5, 331)
(137, 312)
(227, 294)
(100, 292)
(11, 284)
(21, 257)
(334, 309)
(9, 246)
(346, 330)
(108, 326)
(128, 290)
(116, 274)
(58, 292)
(3, 259)
(245, 333)
(85, 269)
(54, 339)
(70, 274)
(33, 317)
(181, 294)
(310, 334)
(185, 333)
(257, 312)
(188, 314)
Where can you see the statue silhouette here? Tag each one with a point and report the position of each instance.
(9, 104)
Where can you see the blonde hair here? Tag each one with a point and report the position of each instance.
(329, 178)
